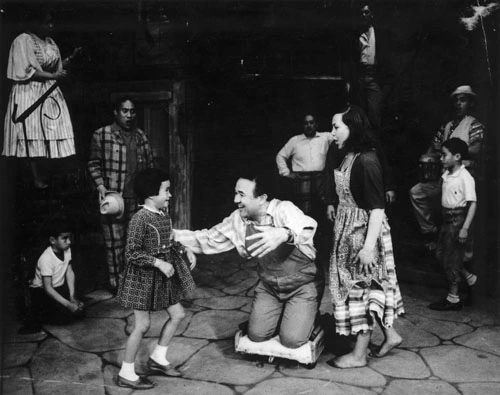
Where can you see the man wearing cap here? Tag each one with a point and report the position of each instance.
(117, 153)
(425, 196)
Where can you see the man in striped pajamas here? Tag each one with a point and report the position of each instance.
(117, 153)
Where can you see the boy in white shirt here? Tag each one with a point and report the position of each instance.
(459, 203)
(53, 287)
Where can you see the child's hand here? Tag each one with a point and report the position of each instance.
(191, 258)
(79, 303)
(73, 307)
(166, 268)
(462, 235)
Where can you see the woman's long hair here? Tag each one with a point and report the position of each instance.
(360, 138)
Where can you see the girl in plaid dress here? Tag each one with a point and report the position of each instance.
(156, 277)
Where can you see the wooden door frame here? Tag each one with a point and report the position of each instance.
(180, 147)
(180, 157)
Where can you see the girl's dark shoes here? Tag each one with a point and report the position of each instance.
(142, 383)
(167, 370)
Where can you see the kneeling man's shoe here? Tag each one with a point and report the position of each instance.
(446, 305)
(142, 383)
(167, 370)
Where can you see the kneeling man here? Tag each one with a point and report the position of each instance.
(279, 236)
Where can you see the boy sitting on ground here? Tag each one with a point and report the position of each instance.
(52, 290)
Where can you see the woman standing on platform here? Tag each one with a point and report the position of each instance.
(34, 66)
(363, 279)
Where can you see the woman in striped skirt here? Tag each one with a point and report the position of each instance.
(34, 66)
(363, 279)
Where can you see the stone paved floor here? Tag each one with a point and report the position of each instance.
(442, 353)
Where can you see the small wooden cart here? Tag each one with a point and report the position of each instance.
(307, 354)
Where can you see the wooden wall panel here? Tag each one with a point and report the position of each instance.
(180, 145)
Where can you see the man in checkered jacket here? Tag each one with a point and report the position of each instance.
(117, 153)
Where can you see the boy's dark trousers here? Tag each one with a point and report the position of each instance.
(449, 251)
(45, 310)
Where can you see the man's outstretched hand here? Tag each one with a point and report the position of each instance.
(266, 240)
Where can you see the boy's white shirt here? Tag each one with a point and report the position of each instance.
(50, 265)
(459, 188)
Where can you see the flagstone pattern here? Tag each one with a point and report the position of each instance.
(445, 353)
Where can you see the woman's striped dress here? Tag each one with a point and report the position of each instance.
(48, 129)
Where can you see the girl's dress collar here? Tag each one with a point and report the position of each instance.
(152, 210)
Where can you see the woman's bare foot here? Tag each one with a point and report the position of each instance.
(348, 361)
(389, 343)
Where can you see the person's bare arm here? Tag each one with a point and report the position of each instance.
(49, 290)
(464, 231)
(45, 75)
(365, 256)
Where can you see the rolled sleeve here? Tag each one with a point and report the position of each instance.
(283, 155)
(208, 241)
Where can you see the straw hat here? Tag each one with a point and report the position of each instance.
(463, 90)
(113, 205)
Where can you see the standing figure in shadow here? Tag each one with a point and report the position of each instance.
(366, 55)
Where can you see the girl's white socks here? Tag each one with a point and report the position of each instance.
(159, 355)
(128, 371)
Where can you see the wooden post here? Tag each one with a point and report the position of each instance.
(180, 147)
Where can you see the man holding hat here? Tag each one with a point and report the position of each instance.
(425, 196)
(117, 153)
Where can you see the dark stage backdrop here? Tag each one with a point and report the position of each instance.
(251, 71)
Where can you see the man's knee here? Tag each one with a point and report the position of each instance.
(293, 340)
(256, 336)
(289, 340)
(262, 327)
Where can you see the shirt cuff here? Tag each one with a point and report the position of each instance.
(99, 181)
(291, 236)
